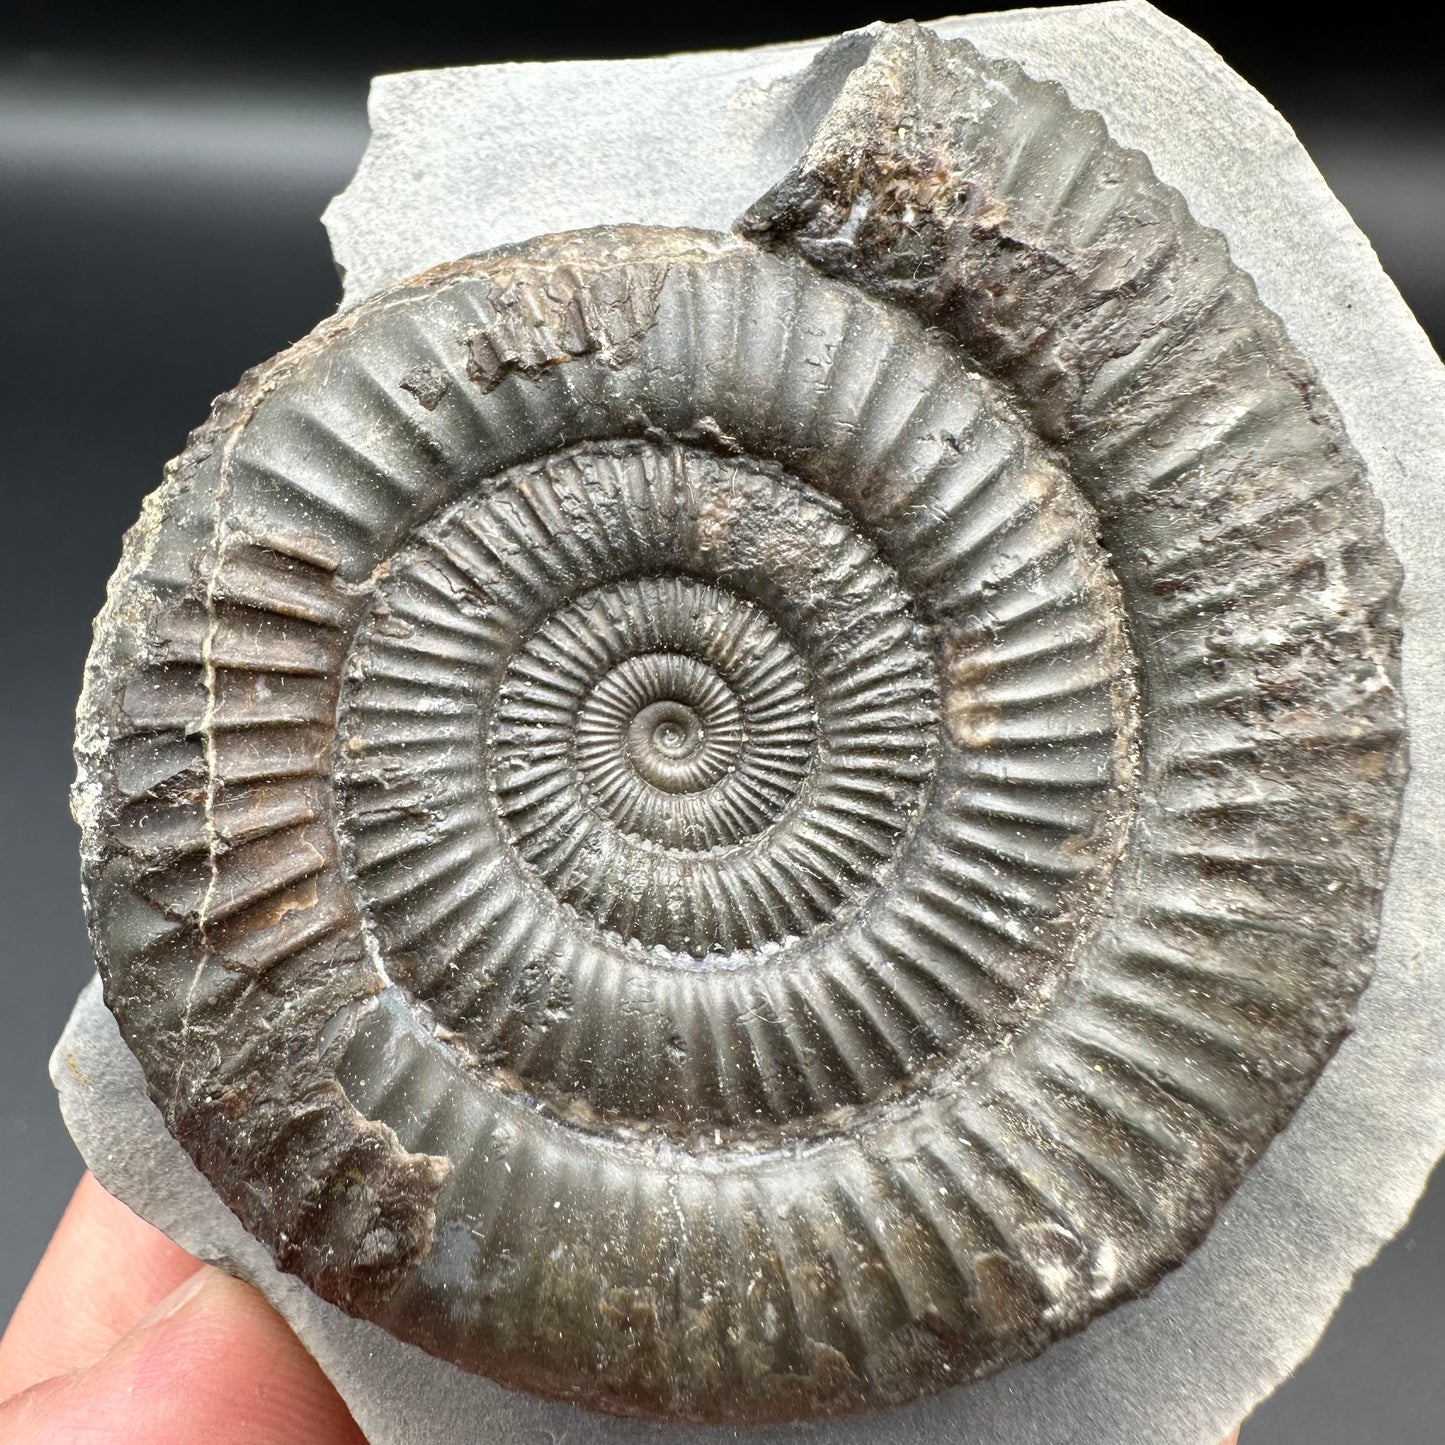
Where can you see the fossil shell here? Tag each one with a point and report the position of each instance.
(741, 828)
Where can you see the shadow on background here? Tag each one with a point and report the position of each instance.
(159, 188)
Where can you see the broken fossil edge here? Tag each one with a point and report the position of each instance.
(1150, 1410)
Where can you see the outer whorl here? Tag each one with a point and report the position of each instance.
(746, 828)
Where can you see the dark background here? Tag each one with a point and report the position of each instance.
(161, 174)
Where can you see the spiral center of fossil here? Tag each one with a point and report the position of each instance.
(662, 725)
(686, 709)
(663, 737)
(671, 737)
(676, 735)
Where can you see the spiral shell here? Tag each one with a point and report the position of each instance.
(746, 828)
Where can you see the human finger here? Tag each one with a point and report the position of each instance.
(211, 1363)
(105, 1268)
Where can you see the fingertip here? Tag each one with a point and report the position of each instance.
(212, 1362)
(232, 1370)
(103, 1269)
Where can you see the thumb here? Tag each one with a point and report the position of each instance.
(212, 1364)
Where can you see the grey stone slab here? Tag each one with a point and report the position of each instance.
(465, 159)
(468, 159)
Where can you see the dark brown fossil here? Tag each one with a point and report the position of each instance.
(744, 828)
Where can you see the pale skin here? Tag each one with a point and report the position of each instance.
(124, 1339)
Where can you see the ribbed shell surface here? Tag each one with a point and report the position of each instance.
(736, 843)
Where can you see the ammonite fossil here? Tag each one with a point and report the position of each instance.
(747, 827)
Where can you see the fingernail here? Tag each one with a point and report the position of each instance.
(175, 1301)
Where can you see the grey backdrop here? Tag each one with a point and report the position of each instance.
(158, 234)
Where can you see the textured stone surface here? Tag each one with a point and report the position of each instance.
(806, 212)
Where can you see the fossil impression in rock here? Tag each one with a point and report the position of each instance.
(745, 827)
